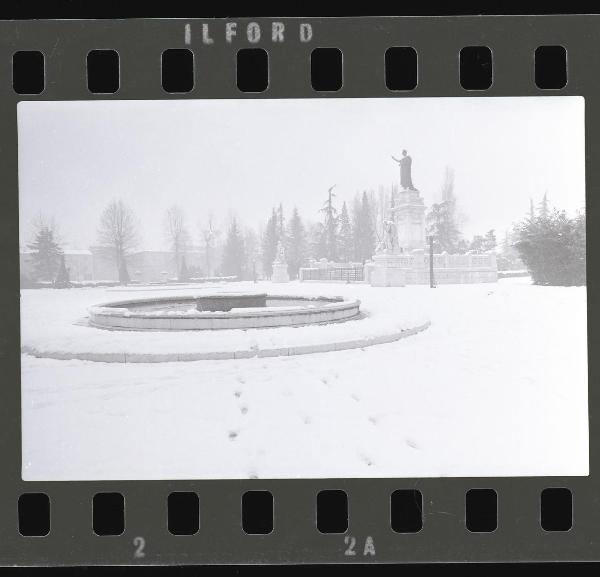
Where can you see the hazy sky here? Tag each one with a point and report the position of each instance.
(218, 156)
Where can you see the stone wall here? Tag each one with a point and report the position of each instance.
(413, 268)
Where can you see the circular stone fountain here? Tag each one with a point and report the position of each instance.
(222, 311)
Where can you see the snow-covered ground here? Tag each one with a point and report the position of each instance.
(497, 386)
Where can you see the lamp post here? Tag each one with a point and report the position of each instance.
(431, 277)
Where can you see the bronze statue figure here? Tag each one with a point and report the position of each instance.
(405, 164)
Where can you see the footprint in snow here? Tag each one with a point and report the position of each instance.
(373, 420)
(243, 410)
(412, 444)
(241, 380)
(306, 420)
(238, 394)
(252, 475)
(356, 398)
(325, 382)
(233, 435)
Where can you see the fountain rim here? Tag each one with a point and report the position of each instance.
(116, 316)
(118, 309)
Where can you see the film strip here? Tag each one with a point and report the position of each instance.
(261, 519)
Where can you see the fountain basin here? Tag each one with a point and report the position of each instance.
(235, 311)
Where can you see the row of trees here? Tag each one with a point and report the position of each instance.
(337, 234)
(543, 240)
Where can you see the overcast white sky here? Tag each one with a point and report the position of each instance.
(215, 156)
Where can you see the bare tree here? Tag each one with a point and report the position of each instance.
(177, 234)
(117, 234)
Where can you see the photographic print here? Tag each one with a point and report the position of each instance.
(303, 288)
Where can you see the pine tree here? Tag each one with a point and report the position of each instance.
(62, 278)
(45, 252)
(330, 226)
(317, 246)
(363, 228)
(269, 244)
(531, 210)
(233, 253)
(210, 235)
(251, 254)
(489, 241)
(280, 223)
(448, 185)
(345, 236)
(476, 245)
(543, 208)
(441, 224)
(296, 247)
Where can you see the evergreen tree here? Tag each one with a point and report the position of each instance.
(345, 236)
(269, 244)
(448, 185)
(280, 224)
(531, 210)
(489, 241)
(184, 275)
(476, 245)
(45, 252)
(363, 229)
(317, 241)
(62, 278)
(233, 253)
(553, 248)
(210, 235)
(330, 226)
(441, 224)
(543, 208)
(296, 248)
(251, 254)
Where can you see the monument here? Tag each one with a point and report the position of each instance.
(280, 267)
(408, 209)
(404, 231)
(401, 258)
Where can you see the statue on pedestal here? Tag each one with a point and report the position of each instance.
(405, 164)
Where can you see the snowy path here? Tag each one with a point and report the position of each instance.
(496, 386)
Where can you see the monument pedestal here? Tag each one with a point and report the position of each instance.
(390, 269)
(409, 216)
(280, 272)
